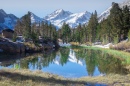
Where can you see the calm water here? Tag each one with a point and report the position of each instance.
(69, 63)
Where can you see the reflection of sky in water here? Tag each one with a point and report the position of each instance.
(11, 66)
(69, 70)
(73, 67)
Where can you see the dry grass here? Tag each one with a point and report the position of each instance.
(33, 47)
(30, 44)
(77, 43)
(13, 77)
(74, 43)
(125, 46)
(112, 80)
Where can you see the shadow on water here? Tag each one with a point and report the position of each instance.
(97, 84)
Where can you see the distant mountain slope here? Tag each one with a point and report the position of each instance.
(7, 20)
(106, 13)
(35, 19)
(126, 2)
(60, 16)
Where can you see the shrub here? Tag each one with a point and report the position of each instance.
(121, 46)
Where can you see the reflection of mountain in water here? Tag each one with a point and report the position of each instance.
(67, 62)
(57, 60)
(71, 57)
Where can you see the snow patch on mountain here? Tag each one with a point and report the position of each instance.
(7, 20)
(106, 13)
(126, 2)
(35, 19)
(60, 16)
(78, 18)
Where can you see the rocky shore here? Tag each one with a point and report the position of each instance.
(10, 47)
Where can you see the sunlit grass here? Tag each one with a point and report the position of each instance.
(23, 77)
(13, 77)
(121, 46)
(112, 80)
(124, 56)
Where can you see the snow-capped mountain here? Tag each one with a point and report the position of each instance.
(71, 58)
(60, 16)
(7, 20)
(35, 19)
(78, 18)
(106, 13)
(126, 2)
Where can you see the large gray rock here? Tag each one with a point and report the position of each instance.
(21, 46)
(11, 47)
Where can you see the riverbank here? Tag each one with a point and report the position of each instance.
(123, 56)
(23, 77)
(13, 77)
(105, 49)
(9, 47)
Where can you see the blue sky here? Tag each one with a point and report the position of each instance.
(43, 7)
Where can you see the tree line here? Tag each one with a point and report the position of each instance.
(29, 30)
(113, 29)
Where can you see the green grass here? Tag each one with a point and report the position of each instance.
(124, 56)
(117, 54)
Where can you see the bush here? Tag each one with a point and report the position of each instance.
(121, 46)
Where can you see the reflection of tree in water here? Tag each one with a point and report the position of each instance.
(31, 59)
(91, 62)
(109, 64)
(106, 63)
(64, 56)
(88, 57)
(47, 59)
(37, 61)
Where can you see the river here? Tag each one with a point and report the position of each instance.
(70, 63)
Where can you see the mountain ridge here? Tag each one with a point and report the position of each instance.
(106, 13)
(7, 20)
(60, 16)
(57, 18)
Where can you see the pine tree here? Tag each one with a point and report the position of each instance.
(116, 19)
(92, 27)
(66, 32)
(126, 20)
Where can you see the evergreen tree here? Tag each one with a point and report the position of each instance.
(126, 20)
(66, 32)
(116, 19)
(92, 27)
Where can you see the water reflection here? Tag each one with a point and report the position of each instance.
(67, 62)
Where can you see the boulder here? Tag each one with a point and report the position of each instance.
(12, 47)
(21, 46)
